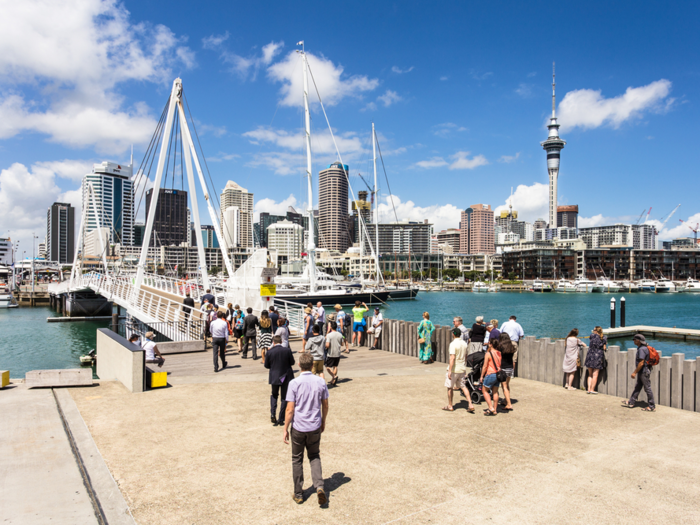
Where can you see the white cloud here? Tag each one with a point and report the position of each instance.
(280, 162)
(217, 131)
(246, 67)
(434, 162)
(462, 162)
(68, 169)
(480, 76)
(221, 156)
(588, 109)
(596, 220)
(524, 90)
(441, 216)
(332, 84)
(443, 79)
(532, 74)
(73, 54)
(680, 229)
(214, 41)
(274, 208)
(446, 129)
(531, 202)
(349, 143)
(507, 159)
(399, 71)
(389, 98)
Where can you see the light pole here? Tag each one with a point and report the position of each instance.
(33, 257)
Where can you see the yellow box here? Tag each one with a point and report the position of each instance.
(4, 378)
(159, 379)
(267, 290)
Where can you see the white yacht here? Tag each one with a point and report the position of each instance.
(647, 285)
(586, 285)
(692, 285)
(664, 285)
(540, 286)
(608, 285)
(565, 286)
(629, 286)
(480, 287)
(6, 298)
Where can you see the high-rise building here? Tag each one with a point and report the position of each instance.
(400, 237)
(477, 230)
(287, 238)
(6, 256)
(333, 208)
(567, 216)
(266, 220)
(232, 227)
(553, 146)
(139, 232)
(235, 195)
(115, 201)
(170, 220)
(451, 237)
(208, 236)
(361, 208)
(540, 224)
(60, 233)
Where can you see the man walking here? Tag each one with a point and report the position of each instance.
(279, 360)
(274, 317)
(187, 302)
(334, 342)
(515, 332)
(219, 339)
(315, 345)
(643, 375)
(307, 411)
(250, 321)
(209, 298)
(320, 314)
(456, 370)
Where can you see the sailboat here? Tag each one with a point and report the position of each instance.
(308, 288)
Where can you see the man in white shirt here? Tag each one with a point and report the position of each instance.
(153, 355)
(515, 332)
(219, 339)
(377, 322)
(456, 370)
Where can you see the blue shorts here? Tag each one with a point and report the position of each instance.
(490, 381)
(358, 327)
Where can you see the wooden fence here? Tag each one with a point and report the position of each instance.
(674, 381)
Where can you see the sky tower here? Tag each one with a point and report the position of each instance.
(553, 146)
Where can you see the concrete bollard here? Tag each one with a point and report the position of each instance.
(631, 365)
(665, 381)
(654, 379)
(524, 359)
(542, 364)
(622, 374)
(688, 385)
(613, 355)
(559, 353)
(403, 347)
(677, 380)
(697, 384)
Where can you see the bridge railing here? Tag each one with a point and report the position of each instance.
(294, 313)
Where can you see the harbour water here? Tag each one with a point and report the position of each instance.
(28, 342)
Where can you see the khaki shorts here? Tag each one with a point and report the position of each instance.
(515, 354)
(317, 367)
(457, 380)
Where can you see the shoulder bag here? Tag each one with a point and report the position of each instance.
(501, 376)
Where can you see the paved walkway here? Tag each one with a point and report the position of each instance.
(203, 451)
(39, 477)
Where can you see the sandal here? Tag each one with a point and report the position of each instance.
(448, 409)
(649, 409)
(627, 404)
(471, 410)
(489, 413)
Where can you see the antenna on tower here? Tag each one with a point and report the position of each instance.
(553, 86)
(510, 201)
(132, 155)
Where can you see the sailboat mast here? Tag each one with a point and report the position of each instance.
(311, 247)
(376, 205)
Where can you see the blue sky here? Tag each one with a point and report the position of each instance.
(459, 92)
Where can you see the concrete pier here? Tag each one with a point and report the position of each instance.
(653, 332)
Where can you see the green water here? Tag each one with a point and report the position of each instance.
(555, 314)
(28, 342)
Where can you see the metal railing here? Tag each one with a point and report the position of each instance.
(190, 330)
(294, 313)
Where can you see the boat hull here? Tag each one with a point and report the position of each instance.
(403, 295)
(346, 299)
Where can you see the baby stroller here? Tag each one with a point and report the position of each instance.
(475, 361)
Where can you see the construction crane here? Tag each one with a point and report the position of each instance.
(640, 215)
(694, 230)
(669, 216)
(647, 217)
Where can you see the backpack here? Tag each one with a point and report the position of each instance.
(239, 323)
(653, 356)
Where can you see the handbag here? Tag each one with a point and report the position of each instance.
(501, 376)
(421, 341)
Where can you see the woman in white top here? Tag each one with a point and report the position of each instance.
(153, 355)
(570, 365)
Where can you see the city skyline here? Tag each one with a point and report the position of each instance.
(459, 116)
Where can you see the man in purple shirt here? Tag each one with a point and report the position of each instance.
(307, 409)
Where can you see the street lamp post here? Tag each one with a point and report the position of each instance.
(33, 257)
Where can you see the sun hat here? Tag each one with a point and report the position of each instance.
(338, 307)
(150, 335)
(307, 310)
(479, 318)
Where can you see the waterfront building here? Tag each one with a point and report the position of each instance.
(553, 146)
(473, 262)
(231, 227)
(333, 208)
(6, 257)
(477, 230)
(60, 233)
(539, 224)
(451, 237)
(92, 246)
(170, 219)
(235, 195)
(287, 238)
(637, 236)
(208, 236)
(361, 208)
(540, 263)
(42, 249)
(567, 216)
(266, 220)
(400, 237)
(680, 244)
(115, 201)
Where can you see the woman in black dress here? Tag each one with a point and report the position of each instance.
(595, 360)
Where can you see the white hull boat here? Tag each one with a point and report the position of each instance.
(608, 285)
(587, 286)
(565, 286)
(647, 285)
(692, 285)
(480, 287)
(664, 285)
(629, 286)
